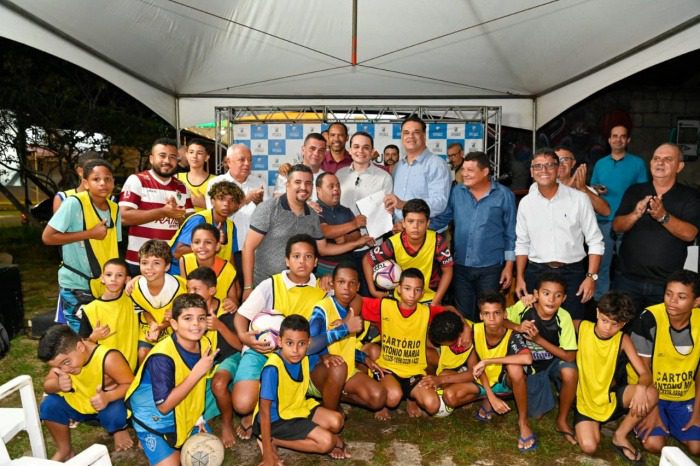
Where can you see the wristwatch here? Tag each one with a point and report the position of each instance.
(664, 220)
(594, 276)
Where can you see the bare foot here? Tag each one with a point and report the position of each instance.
(244, 431)
(567, 432)
(122, 440)
(340, 451)
(382, 415)
(413, 409)
(227, 437)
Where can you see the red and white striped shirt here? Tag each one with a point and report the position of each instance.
(144, 191)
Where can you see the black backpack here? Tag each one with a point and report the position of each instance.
(4, 342)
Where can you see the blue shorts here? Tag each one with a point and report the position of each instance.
(230, 365)
(540, 398)
(675, 415)
(55, 408)
(71, 300)
(155, 447)
(250, 366)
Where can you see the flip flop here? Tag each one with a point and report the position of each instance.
(247, 432)
(566, 435)
(524, 440)
(621, 449)
(483, 415)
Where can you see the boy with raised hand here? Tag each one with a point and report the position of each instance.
(404, 337)
(222, 335)
(205, 244)
(414, 247)
(226, 198)
(334, 328)
(87, 226)
(666, 337)
(166, 398)
(293, 291)
(198, 177)
(110, 320)
(602, 394)
(284, 416)
(503, 357)
(153, 293)
(551, 337)
(86, 382)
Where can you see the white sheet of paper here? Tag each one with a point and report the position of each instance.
(378, 219)
(691, 261)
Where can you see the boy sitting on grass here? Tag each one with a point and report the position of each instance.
(222, 335)
(602, 394)
(285, 417)
(550, 334)
(86, 382)
(205, 244)
(153, 293)
(111, 320)
(166, 398)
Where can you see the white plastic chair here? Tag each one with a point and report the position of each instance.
(14, 420)
(674, 456)
(96, 455)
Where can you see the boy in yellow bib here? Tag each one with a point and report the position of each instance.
(166, 398)
(602, 394)
(284, 416)
(111, 319)
(86, 382)
(198, 177)
(667, 338)
(503, 356)
(414, 247)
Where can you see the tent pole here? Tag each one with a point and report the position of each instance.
(534, 124)
(354, 33)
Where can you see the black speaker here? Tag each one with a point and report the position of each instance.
(11, 303)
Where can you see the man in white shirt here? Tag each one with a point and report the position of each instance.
(552, 225)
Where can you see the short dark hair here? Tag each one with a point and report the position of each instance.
(86, 156)
(164, 142)
(687, 278)
(416, 206)
(187, 301)
(547, 152)
(551, 277)
(300, 238)
(456, 144)
(411, 273)
(156, 248)
(59, 339)
(90, 165)
(316, 136)
(491, 297)
(215, 232)
(339, 123)
(117, 261)
(391, 146)
(295, 322)
(227, 188)
(200, 142)
(204, 275)
(445, 328)
(481, 159)
(299, 167)
(321, 177)
(416, 118)
(365, 134)
(345, 264)
(617, 306)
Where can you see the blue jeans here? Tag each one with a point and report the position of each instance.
(644, 293)
(71, 304)
(604, 279)
(469, 282)
(573, 275)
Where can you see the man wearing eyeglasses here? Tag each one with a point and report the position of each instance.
(455, 157)
(577, 179)
(553, 223)
(659, 219)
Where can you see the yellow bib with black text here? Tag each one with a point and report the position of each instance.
(403, 339)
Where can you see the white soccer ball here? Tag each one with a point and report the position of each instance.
(444, 410)
(269, 337)
(267, 320)
(202, 449)
(386, 274)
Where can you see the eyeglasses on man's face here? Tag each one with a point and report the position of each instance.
(538, 167)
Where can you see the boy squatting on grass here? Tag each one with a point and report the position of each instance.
(166, 398)
(602, 394)
(86, 382)
(667, 338)
(284, 416)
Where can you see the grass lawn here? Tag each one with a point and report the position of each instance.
(457, 439)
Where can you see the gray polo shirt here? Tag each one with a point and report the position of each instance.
(275, 220)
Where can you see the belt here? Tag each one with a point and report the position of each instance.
(553, 264)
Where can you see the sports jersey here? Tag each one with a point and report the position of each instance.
(433, 254)
(453, 357)
(144, 191)
(597, 361)
(198, 189)
(123, 324)
(157, 306)
(85, 383)
(224, 270)
(343, 346)
(558, 330)
(143, 408)
(286, 384)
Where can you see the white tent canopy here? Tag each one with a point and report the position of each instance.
(184, 58)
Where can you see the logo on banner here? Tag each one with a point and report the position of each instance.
(295, 132)
(258, 131)
(437, 130)
(277, 147)
(474, 131)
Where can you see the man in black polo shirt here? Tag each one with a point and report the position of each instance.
(659, 220)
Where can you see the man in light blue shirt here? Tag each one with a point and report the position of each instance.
(483, 212)
(612, 175)
(419, 175)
